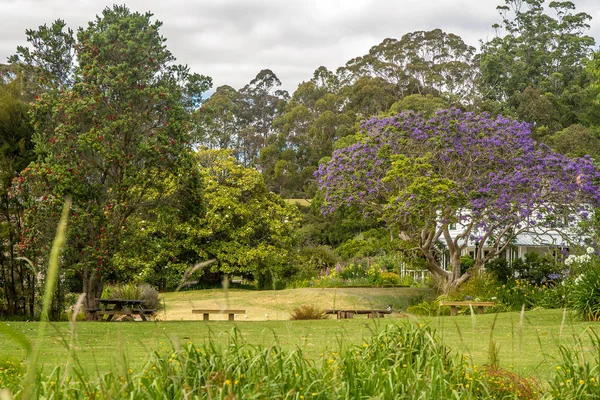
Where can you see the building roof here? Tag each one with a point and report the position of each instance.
(529, 239)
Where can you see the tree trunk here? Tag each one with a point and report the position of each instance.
(457, 278)
(31, 280)
(449, 281)
(13, 291)
(5, 289)
(92, 287)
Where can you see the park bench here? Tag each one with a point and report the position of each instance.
(206, 313)
(345, 314)
(466, 303)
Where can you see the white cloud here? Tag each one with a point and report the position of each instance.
(232, 40)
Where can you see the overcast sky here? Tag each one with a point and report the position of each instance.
(232, 40)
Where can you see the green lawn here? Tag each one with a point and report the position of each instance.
(102, 346)
(278, 304)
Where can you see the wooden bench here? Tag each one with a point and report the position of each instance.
(206, 313)
(466, 303)
(346, 314)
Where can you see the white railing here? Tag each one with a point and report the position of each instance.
(416, 274)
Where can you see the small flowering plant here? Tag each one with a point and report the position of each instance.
(357, 274)
(583, 259)
(584, 285)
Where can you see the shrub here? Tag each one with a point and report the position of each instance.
(360, 272)
(577, 374)
(131, 291)
(585, 295)
(500, 269)
(482, 286)
(535, 268)
(11, 371)
(390, 262)
(407, 280)
(150, 296)
(429, 308)
(352, 270)
(374, 242)
(556, 295)
(466, 262)
(318, 256)
(388, 278)
(503, 384)
(510, 295)
(310, 260)
(308, 311)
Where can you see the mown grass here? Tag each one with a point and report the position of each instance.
(103, 346)
(278, 304)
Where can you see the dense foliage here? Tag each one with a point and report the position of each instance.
(108, 118)
(486, 174)
(537, 68)
(17, 279)
(116, 141)
(246, 228)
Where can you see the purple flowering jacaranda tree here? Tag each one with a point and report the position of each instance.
(485, 174)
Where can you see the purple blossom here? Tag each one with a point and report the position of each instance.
(338, 268)
(457, 161)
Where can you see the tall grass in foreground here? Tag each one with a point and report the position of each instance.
(402, 361)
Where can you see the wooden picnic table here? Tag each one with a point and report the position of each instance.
(345, 314)
(129, 307)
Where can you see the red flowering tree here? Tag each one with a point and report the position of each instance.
(488, 175)
(116, 141)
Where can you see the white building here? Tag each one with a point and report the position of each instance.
(537, 241)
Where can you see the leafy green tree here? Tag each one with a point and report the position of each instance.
(116, 141)
(242, 120)
(421, 62)
(162, 243)
(49, 64)
(546, 53)
(427, 105)
(247, 229)
(538, 108)
(331, 106)
(220, 119)
(289, 159)
(17, 280)
(577, 141)
(368, 97)
(263, 102)
(320, 112)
